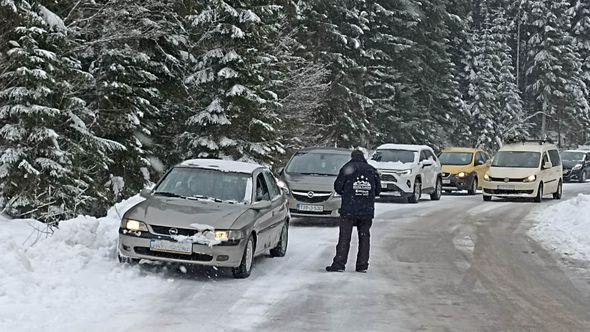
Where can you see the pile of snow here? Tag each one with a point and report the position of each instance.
(565, 227)
(63, 281)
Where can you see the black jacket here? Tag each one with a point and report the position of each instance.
(358, 183)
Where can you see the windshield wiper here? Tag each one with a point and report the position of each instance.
(316, 174)
(206, 197)
(168, 194)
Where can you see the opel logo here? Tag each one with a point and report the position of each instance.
(506, 180)
(173, 231)
(310, 194)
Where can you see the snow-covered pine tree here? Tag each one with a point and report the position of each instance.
(553, 67)
(44, 139)
(234, 116)
(509, 117)
(332, 34)
(581, 32)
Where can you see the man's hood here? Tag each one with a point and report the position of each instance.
(181, 213)
(307, 183)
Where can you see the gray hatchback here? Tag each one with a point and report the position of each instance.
(208, 212)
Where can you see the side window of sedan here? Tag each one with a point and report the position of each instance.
(262, 193)
(273, 188)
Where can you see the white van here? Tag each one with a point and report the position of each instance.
(527, 168)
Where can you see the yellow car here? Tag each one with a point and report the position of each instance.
(463, 169)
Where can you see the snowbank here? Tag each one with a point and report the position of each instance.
(57, 282)
(565, 227)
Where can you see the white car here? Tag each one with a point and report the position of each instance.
(526, 168)
(408, 171)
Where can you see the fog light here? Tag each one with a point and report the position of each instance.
(222, 258)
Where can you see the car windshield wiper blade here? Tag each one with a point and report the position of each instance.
(206, 197)
(317, 174)
(168, 194)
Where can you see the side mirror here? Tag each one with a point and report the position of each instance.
(261, 205)
(427, 163)
(479, 163)
(547, 165)
(145, 192)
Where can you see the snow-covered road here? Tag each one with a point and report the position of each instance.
(456, 264)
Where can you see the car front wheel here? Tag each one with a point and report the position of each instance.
(583, 177)
(436, 195)
(559, 192)
(540, 194)
(245, 267)
(417, 193)
(281, 249)
(473, 189)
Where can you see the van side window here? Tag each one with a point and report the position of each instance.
(555, 159)
(545, 159)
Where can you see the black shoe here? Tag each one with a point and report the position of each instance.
(334, 269)
(361, 270)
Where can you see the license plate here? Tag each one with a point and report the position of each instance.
(185, 248)
(505, 187)
(446, 181)
(310, 208)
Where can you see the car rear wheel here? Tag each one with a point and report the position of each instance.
(540, 194)
(473, 189)
(436, 195)
(417, 193)
(559, 192)
(281, 249)
(243, 271)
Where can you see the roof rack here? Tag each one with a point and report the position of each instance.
(528, 140)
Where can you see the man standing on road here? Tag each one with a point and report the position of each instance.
(358, 183)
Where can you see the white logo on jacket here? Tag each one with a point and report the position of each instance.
(362, 187)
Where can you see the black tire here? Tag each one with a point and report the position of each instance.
(281, 249)
(487, 198)
(245, 267)
(417, 193)
(436, 195)
(583, 177)
(559, 192)
(540, 194)
(473, 189)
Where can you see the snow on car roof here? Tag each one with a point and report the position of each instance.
(409, 147)
(577, 151)
(222, 165)
(528, 146)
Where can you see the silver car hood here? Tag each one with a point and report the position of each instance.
(181, 213)
(310, 182)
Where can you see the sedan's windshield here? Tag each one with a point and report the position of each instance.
(395, 156)
(572, 156)
(206, 184)
(456, 158)
(518, 159)
(315, 163)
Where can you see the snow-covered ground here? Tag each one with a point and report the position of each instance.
(565, 227)
(68, 281)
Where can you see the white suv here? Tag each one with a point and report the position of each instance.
(408, 171)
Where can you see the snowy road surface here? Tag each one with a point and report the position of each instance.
(457, 264)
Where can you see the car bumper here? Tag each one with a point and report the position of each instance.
(452, 182)
(327, 208)
(138, 247)
(511, 189)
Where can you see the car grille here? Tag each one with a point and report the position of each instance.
(193, 257)
(390, 187)
(388, 178)
(318, 197)
(507, 192)
(509, 180)
(164, 230)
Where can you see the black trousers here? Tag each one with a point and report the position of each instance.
(363, 227)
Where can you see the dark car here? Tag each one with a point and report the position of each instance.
(576, 165)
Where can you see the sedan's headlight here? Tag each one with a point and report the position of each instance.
(531, 178)
(486, 177)
(404, 172)
(461, 175)
(577, 167)
(228, 235)
(134, 225)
